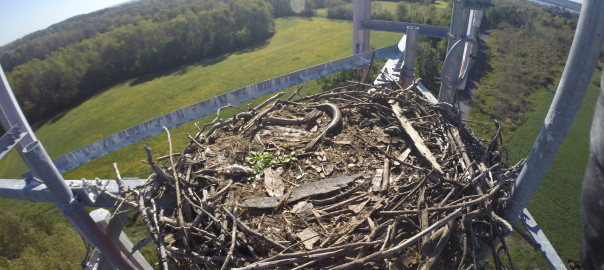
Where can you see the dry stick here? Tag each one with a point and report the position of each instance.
(401, 246)
(364, 104)
(306, 265)
(233, 239)
(120, 181)
(333, 206)
(388, 155)
(416, 138)
(207, 213)
(335, 198)
(194, 141)
(468, 203)
(502, 221)
(158, 171)
(274, 264)
(444, 208)
(211, 123)
(420, 184)
(252, 232)
(386, 175)
(181, 221)
(423, 214)
(155, 233)
(261, 114)
(282, 256)
(223, 190)
(371, 236)
(113, 196)
(295, 92)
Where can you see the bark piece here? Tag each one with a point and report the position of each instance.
(273, 183)
(320, 187)
(418, 141)
(309, 237)
(302, 209)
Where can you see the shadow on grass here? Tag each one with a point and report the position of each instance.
(184, 68)
(179, 70)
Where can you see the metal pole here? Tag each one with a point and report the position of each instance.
(70, 206)
(577, 74)
(11, 115)
(361, 12)
(411, 43)
(459, 27)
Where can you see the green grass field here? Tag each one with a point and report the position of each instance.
(556, 204)
(297, 44)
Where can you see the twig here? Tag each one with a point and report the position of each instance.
(181, 221)
(252, 232)
(233, 240)
(295, 93)
(401, 246)
(388, 155)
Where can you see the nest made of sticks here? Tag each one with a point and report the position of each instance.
(338, 180)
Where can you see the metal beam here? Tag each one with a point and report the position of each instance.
(546, 247)
(102, 218)
(401, 27)
(577, 74)
(134, 134)
(11, 138)
(18, 189)
(407, 75)
(361, 11)
(70, 206)
(453, 62)
(11, 115)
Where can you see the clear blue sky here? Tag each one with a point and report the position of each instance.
(21, 17)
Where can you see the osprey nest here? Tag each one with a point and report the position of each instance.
(344, 179)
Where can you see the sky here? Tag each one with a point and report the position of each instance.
(21, 17)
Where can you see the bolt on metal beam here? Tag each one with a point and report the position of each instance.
(70, 206)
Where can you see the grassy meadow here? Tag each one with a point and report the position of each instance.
(298, 43)
(556, 204)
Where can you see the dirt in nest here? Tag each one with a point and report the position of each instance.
(340, 180)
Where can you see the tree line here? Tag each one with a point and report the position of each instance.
(424, 12)
(185, 33)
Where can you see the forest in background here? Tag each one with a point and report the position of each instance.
(55, 69)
